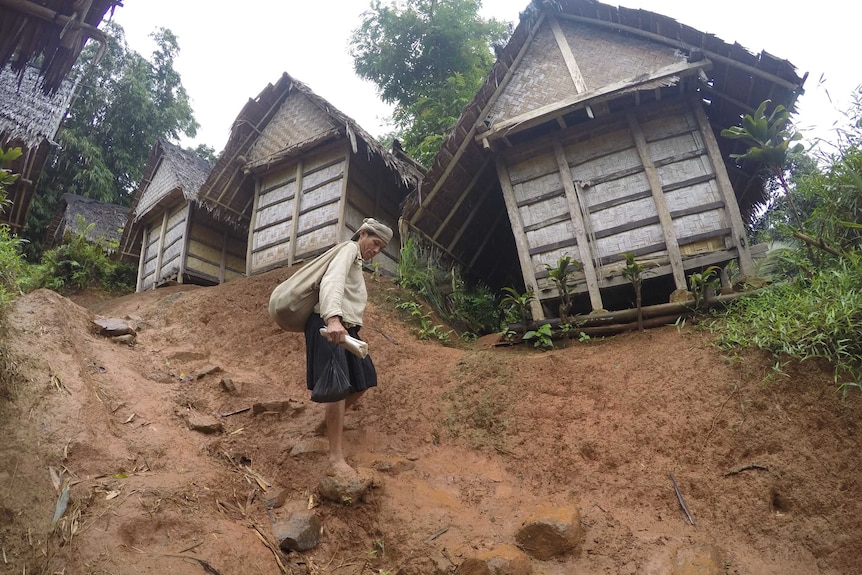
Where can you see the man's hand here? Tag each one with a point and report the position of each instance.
(335, 331)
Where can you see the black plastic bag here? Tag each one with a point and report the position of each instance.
(333, 384)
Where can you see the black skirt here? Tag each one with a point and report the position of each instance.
(318, 352)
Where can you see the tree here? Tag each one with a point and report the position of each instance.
(428, 58)
(121, 106)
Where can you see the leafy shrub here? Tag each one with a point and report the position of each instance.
(79, 264)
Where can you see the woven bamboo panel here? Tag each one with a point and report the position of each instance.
(273, 255)
(535, 214)
(616, 189)
(603, 165)
(703, 222)
(541, 78)
(629, 241)
(665, 121)
(321, 169)
(316, 241)
(693, 196)
(163, 182)
(297, 120)
(623, 213)
(274, 213)
(204, 251)
(684, 170)
(605, 143)
(278, 194)
(551, 258)
(279, 176)
(551, 234)
(530, 166)
(667, 148)
(274, 234)
(537, 187)
(605, 57)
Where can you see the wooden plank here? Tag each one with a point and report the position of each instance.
(521, 242)
(160, 249)
(746, 264)
(568, 242)
(542, 198)
(144, 238)
(548, 222)
(291, 254)
(185, 239)
(252, 223)
(576, 212)
(341, 225)
(660, 203)
(568, 55)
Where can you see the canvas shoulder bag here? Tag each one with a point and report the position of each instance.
(293, 300)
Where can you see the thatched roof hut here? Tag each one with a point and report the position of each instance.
(597, 133)
(77, 211)
(175, 238)
(50, 32)
(29, 119)
(300, 175)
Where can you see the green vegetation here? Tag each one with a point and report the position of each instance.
(429, 59)
(813, 310)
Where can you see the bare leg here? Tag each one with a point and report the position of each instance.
(335, 432)
(320, 428)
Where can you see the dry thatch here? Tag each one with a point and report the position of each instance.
(107, 219)
(229, 189)
(737, 82)
(51, 31)
(29, 119)
(182, 174)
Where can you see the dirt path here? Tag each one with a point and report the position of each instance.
(467, 443)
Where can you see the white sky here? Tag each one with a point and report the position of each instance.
(230, 52)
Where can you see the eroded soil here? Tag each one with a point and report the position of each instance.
(467, 441)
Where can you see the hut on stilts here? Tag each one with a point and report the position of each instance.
(171, 232)
(300, 176)
(596, 135)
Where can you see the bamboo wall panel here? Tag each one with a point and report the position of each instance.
(298, 120)
(605, 57)
(163, 182)
(629, 241)
(541, 78)
(693, 196)
(174, 239)
(617, 190)
(150, 255)
(536, 214)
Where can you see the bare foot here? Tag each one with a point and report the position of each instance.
(340, 467)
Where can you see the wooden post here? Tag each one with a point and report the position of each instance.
(568, 55)
(145, 236)
(660, 204)
(573, 199)
(517, 224)
(341, 225)
(160, 249)
(184, 247)
(725, 188)
(251, 224)
(294, 222)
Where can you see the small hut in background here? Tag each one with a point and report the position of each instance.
(77, 213)
(173, 236)
(29, 119)
(597, 134)
(300, 176)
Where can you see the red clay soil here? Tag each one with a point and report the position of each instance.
(467, 442)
